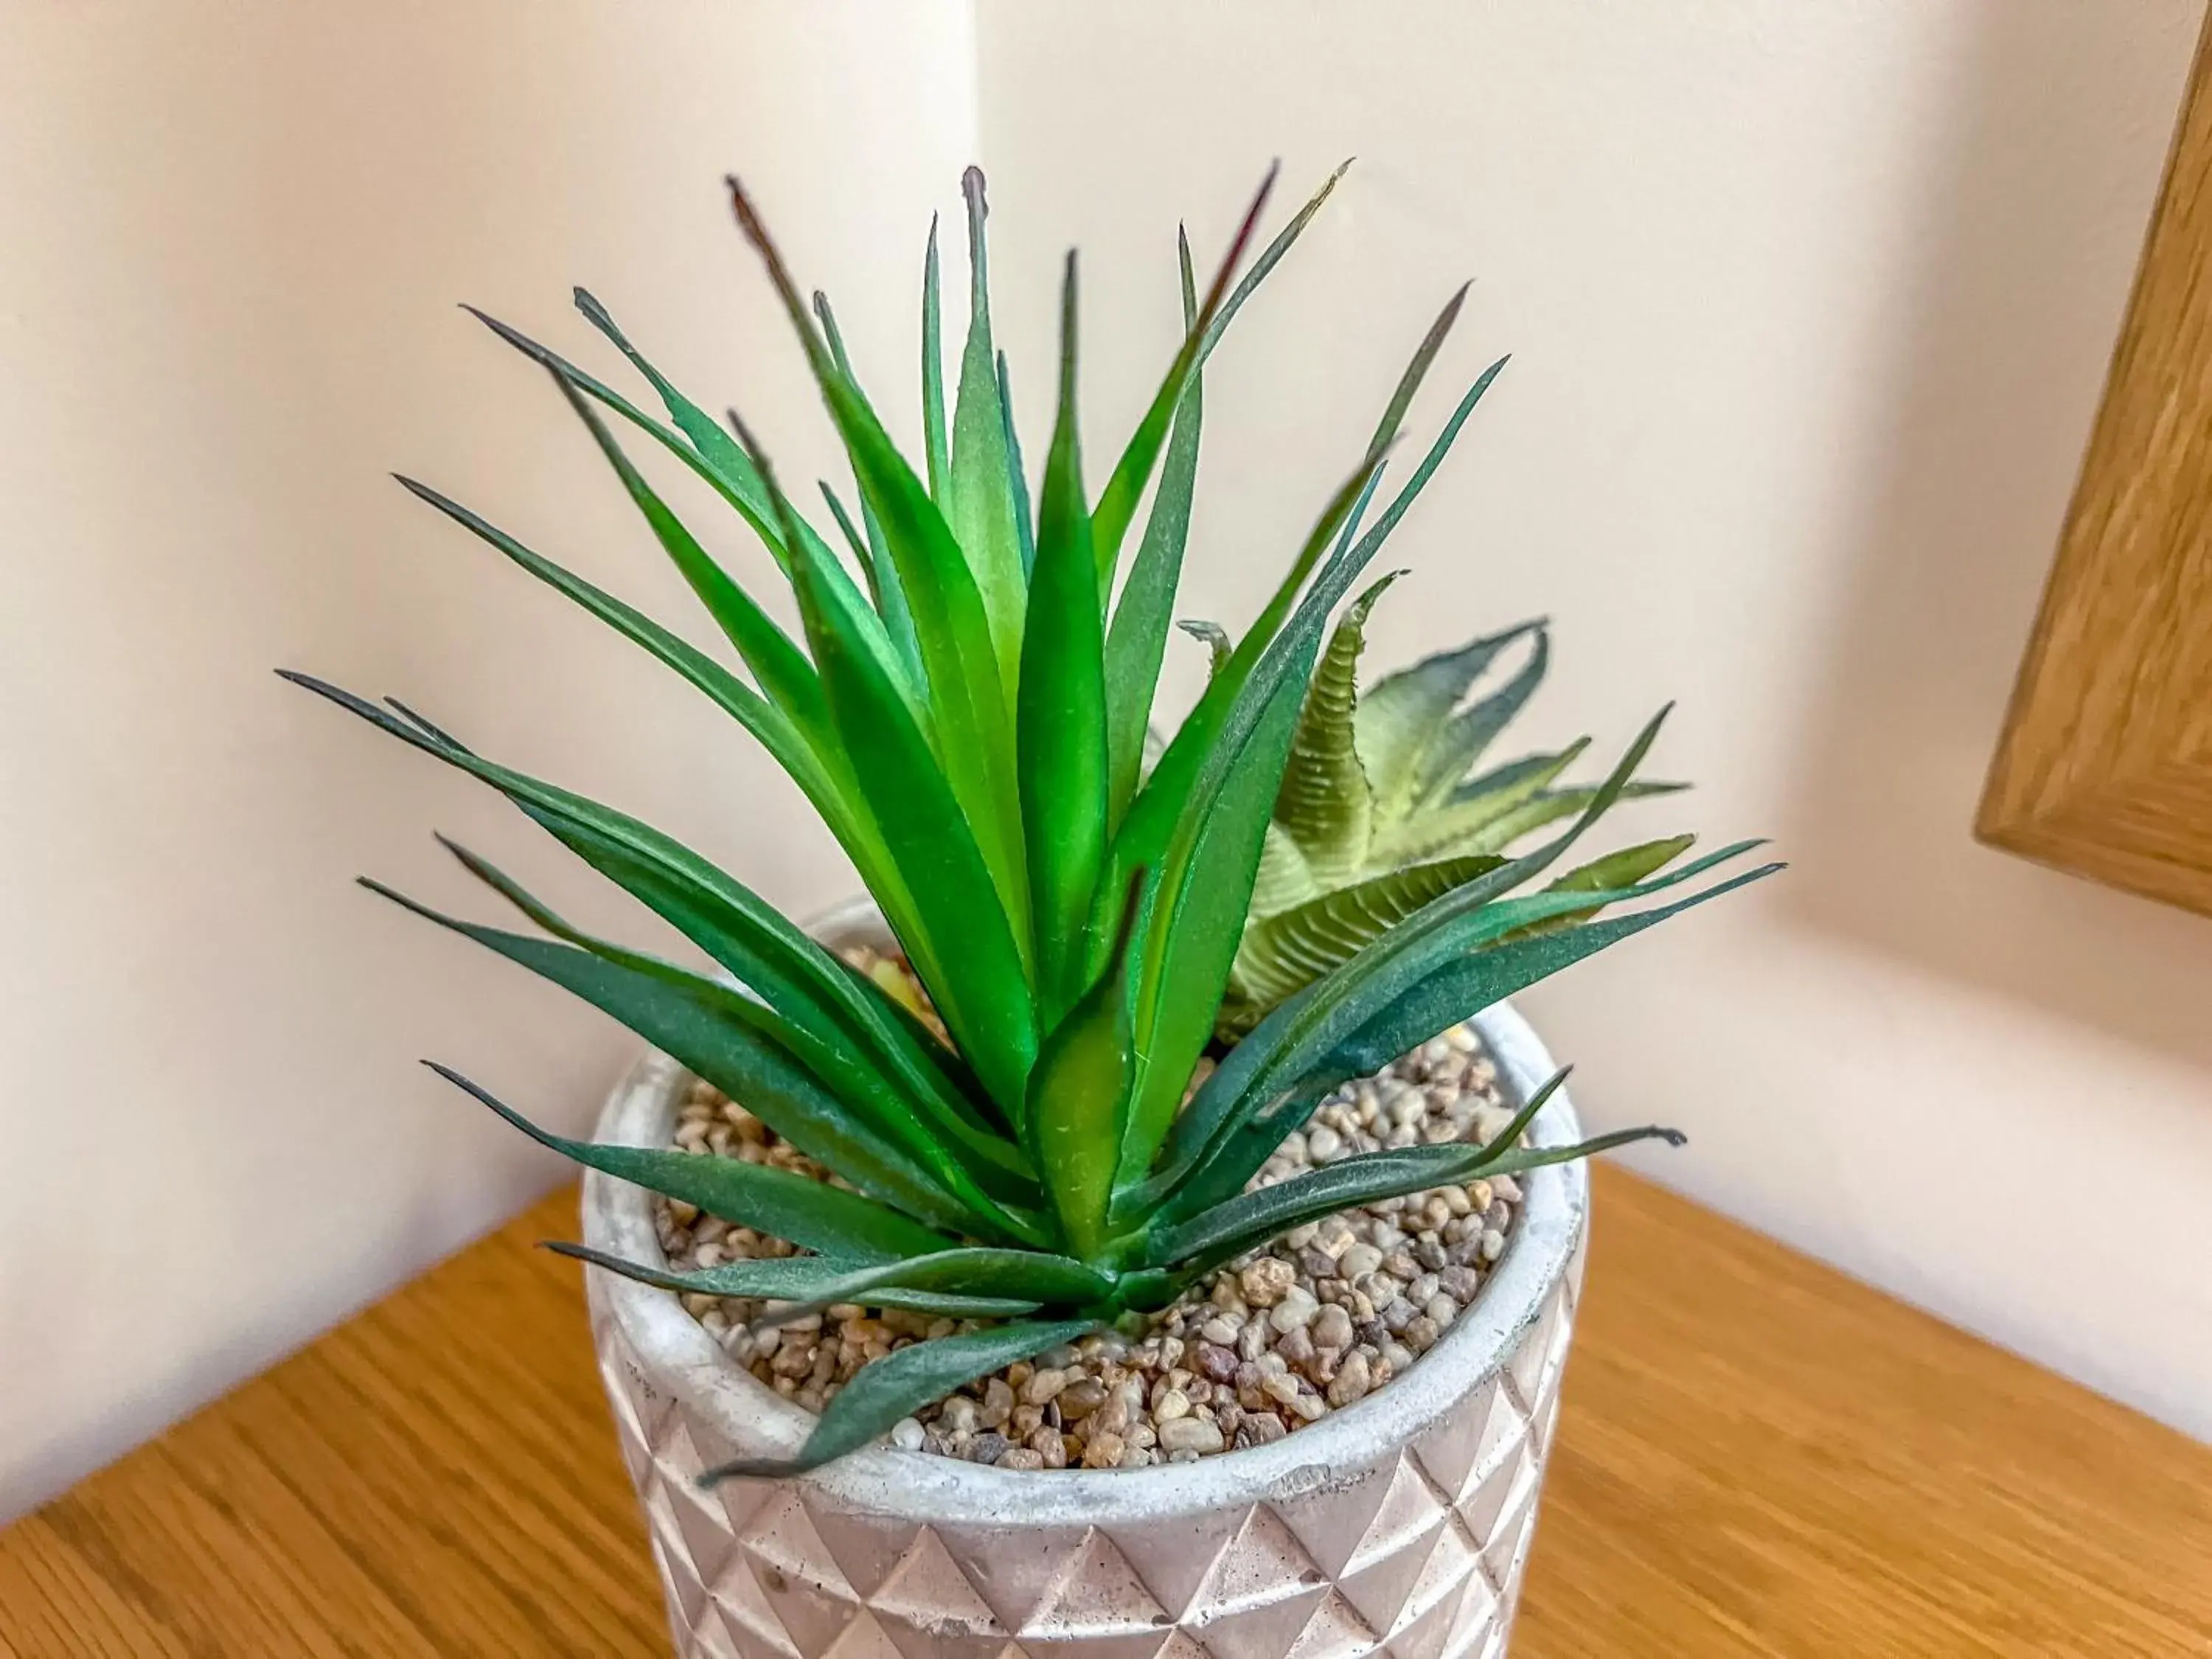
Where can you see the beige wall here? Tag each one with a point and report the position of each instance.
(231, 240)
(1809, 306)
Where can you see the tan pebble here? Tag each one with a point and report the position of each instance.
(1332, 1328)
(1051, 1447)
(681, 1213)
(1309, 1407)
(1222, 1333)
(1102, 1451)
(998, 1403)
(1504, 1188)
(1358, 1261)
(1079, 1400)
(1282, 1390)
(1044, 1385)
(1193, 1434)
(1353, 1380)
(1493, 1245)
(1021, 1458)
(1172, 1404)
(1141, 1435)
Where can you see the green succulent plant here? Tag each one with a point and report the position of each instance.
(968, 714)
(1381, 809)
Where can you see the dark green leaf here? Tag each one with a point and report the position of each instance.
(781, 669)
(967, 955)
(1462, 987)
(1017, 480)
(1270, 257)
(903, 1382)
(1078, 1101)
(1037, 1277)
(884, 587)
(1237, 1227)
(709, 452)
(969, 705)
(935, 447)
(1137, 640)
(1062, 724)
(775, 727)
(614, 842)
(1467, 984)
(784, 1206)
(1143, 834)
(978, 504)
(960, 1157)
(1117, 503)
(795, 1278)
(740, 1047)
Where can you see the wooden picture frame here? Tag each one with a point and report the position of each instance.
(2105, 766)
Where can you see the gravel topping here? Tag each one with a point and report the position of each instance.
(1326, 1315)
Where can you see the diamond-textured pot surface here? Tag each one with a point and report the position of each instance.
(1399, 1525)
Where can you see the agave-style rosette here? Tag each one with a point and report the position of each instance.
(966, 707)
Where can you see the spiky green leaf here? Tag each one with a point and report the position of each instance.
(1137, 640)
(796, 1280)
(1061, 727)
(794, 1207)
(889, 1388)
(979, 501)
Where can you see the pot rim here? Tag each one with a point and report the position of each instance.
(680, 1354)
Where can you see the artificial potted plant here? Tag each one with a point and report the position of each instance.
(1140, 1225)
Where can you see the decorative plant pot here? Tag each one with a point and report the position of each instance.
(1401, 1522)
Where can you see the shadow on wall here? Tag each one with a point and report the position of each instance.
(1996, 381)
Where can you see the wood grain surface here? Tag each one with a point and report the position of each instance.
(1757, 1457)
(2105, 767)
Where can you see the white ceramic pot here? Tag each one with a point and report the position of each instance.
(1400, 1523)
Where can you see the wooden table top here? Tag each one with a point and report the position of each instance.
(1757, 1457)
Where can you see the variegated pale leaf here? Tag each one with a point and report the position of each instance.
(1547, 806)
(1459, 743)
(1401, 715)
(1462, 825)
(1285, 878)
(1324, 803)
(1283, 953)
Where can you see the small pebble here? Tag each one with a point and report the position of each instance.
(1191, 1434)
